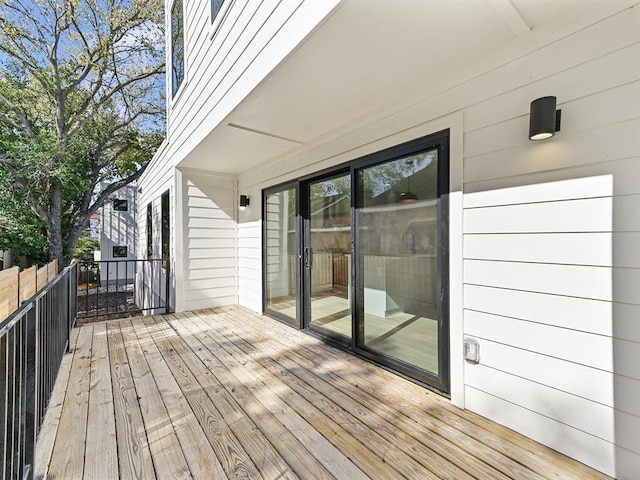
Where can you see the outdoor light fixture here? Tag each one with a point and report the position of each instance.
(244, 201)
(544, 119)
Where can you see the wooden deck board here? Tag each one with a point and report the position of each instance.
(101, 422)
(163, 443)
(197, 450)
(67, 458)
(227, 393)
(279, 425)
(441, 444)
(366, 438)
(134, 457)
(234, 459)
(412, 453)
(51, 422)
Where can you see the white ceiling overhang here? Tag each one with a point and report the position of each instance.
(368, 53)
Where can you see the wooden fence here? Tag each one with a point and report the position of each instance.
(17, 287)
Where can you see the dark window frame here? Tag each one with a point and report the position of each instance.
(165, 228)
(120, 251)
(216, 7)
(177, 47)
(120, 205)
(149, 231)
(440, 141)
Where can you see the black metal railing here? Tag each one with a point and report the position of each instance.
(123, 288)
(32, 343)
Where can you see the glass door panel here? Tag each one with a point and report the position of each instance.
(327, 255)
(281, 279)
(397, 220)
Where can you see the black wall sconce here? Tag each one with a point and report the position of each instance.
(244, 201)
(544, 119)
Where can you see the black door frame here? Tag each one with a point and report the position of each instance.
(439, 141)
(305, 214)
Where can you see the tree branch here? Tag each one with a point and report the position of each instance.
(26, 126)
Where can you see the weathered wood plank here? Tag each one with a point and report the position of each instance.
(197, 450)
(490, 443)
(167, 455)
(101, 442)
(338, 434)
(227, 393)
(67, 460)
(430, 453)
(265, 457)
(134, 457)
(309, 454)
(51, 422)
(369, 417)
(234, 459)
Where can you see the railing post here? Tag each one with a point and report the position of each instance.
(166, 290)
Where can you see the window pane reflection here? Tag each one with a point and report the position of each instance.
(281, 289)
(397, 239)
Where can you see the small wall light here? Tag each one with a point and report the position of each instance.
(544, 119)
(244, 201)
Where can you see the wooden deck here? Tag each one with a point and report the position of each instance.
(226, 393)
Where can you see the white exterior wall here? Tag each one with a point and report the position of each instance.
(209, 248)
(119, 228)
(545, 265)
(222, 69)
(159, 177)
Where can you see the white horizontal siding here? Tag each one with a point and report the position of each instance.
(250, 265)
(221, 69)
(580, 445)
(583, 215)
(210, 252)
(588, 315)
(591, 417)
(551, 264)
(597, 249)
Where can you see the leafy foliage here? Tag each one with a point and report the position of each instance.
(81, 107)
(85, 248)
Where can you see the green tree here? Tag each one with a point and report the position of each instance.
(86, 246)
(81, 106)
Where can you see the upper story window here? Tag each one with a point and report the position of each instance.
(165, 232)
(177, 46)
(149, 231)
(216, 6)
(120, 205)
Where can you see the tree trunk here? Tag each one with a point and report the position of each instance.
(54, 230)
(74, 235)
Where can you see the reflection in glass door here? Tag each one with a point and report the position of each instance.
(327, 255)
(281, 280)
(397, 244)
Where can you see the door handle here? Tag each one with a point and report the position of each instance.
(308, 257)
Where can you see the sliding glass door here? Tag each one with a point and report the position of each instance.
(399, 270)
(281, 254)
(327, 255)
(359, 255)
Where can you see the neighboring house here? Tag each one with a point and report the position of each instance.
(118, 237)
(95, 225)
(502, 272)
